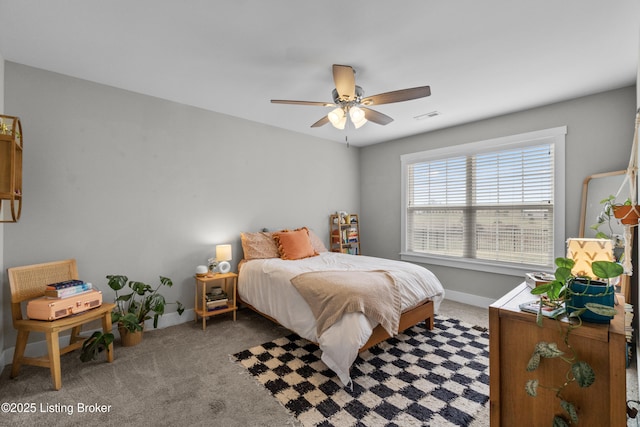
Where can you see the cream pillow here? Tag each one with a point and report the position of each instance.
(316, 242)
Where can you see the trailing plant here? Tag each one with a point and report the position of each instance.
(604, 219)
(134, 308)
(558, 293)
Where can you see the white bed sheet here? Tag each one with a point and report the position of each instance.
(266, 285)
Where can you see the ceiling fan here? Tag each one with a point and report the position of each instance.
(349, 102)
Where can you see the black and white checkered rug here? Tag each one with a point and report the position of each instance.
(418, 378)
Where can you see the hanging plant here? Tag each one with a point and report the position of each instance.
(628, 214)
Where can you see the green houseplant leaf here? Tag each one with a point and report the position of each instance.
(531, 387)
(143, 302)
(558, 421)
(606, 269)
(571, 410)
(583, 373)
(549, 350)
(534, 362)
(95, 344)
(603, 310)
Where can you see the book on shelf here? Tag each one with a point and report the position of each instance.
(547, 309)
(628, 320)
(65, 284)
(215, 297)
(68, 291)
(216, 303)
(217, 307)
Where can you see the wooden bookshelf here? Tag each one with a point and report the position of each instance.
(344, 234)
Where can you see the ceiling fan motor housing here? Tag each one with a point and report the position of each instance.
(344, 102)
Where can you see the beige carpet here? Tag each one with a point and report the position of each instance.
(178, 375)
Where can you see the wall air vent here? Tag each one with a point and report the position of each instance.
(427, 115)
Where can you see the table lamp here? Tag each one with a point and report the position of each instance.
(223, 256)
(586, 251)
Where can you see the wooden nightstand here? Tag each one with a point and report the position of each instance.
(228, 282)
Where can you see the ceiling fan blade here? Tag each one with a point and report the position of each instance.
(319, 104)
(376, 117)
(323, 121)
(397, 96)
(345, 80)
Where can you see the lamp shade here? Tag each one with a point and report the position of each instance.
(337, 118)
(357, 116)
(223, 253)
(585, 251)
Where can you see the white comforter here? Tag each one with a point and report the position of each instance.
(265, 284)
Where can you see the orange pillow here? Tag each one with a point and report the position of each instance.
(294, 244)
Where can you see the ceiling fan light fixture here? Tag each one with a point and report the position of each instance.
(357, 116)
(359, 124)
(337, 118)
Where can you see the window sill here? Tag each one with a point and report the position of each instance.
(474, 264)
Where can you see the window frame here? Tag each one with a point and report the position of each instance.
(555, 136)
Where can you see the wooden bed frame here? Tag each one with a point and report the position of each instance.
(423, 312)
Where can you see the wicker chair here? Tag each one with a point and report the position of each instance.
(29, 282)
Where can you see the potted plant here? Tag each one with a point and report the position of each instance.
(140, 304)
(627, 212)
(564, 292)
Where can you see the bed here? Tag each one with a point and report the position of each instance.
(266, 285)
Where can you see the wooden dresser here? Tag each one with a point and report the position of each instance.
(512, 337)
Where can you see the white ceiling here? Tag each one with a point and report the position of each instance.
(481, 58)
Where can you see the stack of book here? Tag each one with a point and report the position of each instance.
(67, 289)
(628, 320)
(216, 299)
(547, 309)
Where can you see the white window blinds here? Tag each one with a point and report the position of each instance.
(491, 204)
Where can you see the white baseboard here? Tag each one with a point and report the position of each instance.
(37, 348)
(470, 299)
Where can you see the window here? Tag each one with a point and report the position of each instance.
(487, 205)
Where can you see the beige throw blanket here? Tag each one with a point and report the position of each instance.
(330, 294)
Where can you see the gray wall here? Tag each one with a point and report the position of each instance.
(130, 184)
(135, 185)
(599, 134)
